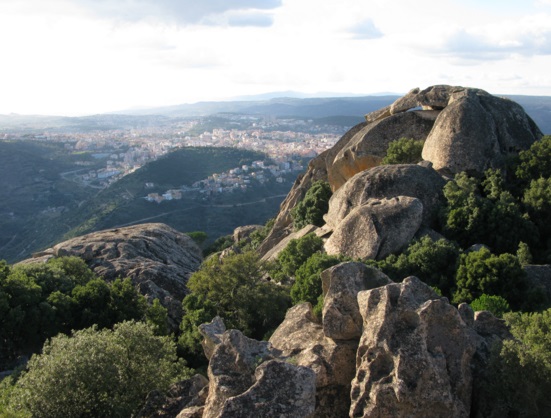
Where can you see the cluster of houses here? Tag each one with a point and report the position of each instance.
(236, 179)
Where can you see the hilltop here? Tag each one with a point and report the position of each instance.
(404, 275)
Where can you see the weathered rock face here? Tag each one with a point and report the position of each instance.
(157, 258)
(388, 181)
(464, 129)
(291, 391)
(243, 376)
(179, 396)
(368, 147)
(475, 130)
(301, 339)
(341, 284)
(414, 357)
(212, 335)
(377, 228)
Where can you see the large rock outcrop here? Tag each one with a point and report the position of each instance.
(368, 147)
(377, 228)
(341, 284)
(388, 181)
(465, 129)
(302, 341)
(157, 258)
(247, 379)
(415, 355)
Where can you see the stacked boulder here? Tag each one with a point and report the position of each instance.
(464, 129)
(380, 349)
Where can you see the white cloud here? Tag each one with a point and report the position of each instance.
(80, 56)
(366, 29)
(182, 11)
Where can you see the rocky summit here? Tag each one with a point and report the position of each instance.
(157, 258)
(376, 347)
(463, 129)
(380, 348)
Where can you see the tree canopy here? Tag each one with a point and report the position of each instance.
(97, 373)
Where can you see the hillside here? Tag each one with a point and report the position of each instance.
(123, 202)
(34, 193)
(40, 207)
(406, 274)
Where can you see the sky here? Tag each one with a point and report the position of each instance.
(77, 57)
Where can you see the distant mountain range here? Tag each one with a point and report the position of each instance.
(538, 107)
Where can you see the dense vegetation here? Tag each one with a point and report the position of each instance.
(518, 382)
(94, 373)
(315, 204)
(234, 289)
(31, 181)
(404, 151)
(38, 301)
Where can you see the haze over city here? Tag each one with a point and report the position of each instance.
(76, 57)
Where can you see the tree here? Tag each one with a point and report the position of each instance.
(37, 301)
(295, 255)
(519, 379)
(535, 162)
(434, 262)
(537, 199)
(481, 272)
(157, 317)
(307, 286)
(495, 304)
(234, 289)
(404, 151)
(485, 213)
(198, 236)
(315, 204)
(98, 373)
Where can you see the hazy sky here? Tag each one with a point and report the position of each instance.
(90, 56)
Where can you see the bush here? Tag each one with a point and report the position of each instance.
(37, 301)
(519, 380)
(234, 289)
(307, 286)
(485, 213)
(434, 262)
(295, 255)
(404, 151)
(481, 272)
(495, 304)
(95, 373)
(315, 204)
(535, 162)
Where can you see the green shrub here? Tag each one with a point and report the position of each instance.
(95, 373)
(404, 151)
(434, 262)
(485, 213)
(315, 204)
(307, 286)
(535, 162)
(519, 379)
(234, 289)
(295, 255)
(495, 304)
(37, 301)
(481, 272)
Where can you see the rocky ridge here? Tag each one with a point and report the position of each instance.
(157, 258)
(380, 348)
(464, 129)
